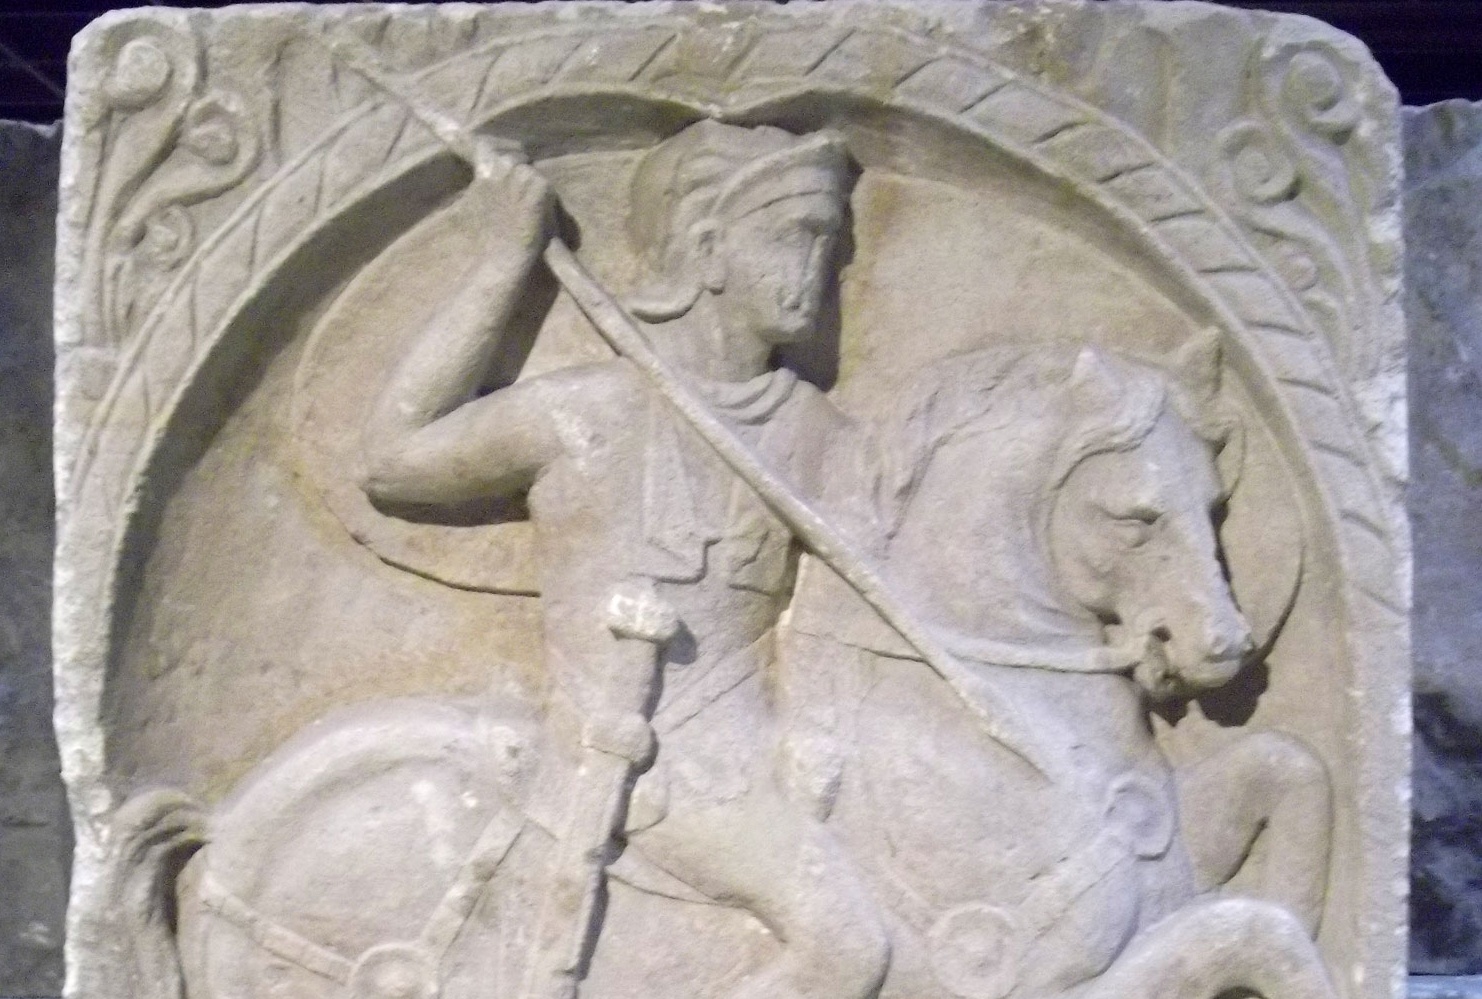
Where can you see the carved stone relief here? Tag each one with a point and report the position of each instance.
(859, 500)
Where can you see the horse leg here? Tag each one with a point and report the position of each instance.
(1257, 816)
(133, 952)
(1214, 947)
(762, 854)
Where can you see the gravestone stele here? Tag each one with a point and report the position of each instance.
(847, 500)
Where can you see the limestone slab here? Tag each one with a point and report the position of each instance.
(846, 500)
(35, 831)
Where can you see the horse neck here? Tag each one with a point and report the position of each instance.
(970, 548)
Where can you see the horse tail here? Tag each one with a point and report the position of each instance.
(135, 955)
(1217, 947)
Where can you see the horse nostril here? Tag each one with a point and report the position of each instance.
(1234, 646)
(1162, 634)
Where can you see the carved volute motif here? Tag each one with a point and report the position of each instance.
(839, 502)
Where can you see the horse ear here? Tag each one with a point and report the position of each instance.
(1092, 378)
(1197, 363)
(1231, 457)
(1196, 369)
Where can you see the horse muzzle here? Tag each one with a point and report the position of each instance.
(1165, 674)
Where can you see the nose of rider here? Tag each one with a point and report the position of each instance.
(792, 297)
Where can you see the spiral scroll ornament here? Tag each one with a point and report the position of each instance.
(1260, 168)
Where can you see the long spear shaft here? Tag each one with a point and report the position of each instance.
(1001, 720)
(616, 327)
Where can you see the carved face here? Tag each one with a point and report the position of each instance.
(1132, 535)
(773, 267)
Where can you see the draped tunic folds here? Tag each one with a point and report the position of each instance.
(704, 528)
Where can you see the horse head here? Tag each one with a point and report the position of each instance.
(1133, 516)
(1067, 499)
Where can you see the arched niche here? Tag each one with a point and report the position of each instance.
(919, 115)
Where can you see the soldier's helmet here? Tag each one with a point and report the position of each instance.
(712, 169)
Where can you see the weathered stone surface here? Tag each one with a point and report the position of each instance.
(1443, 233)
(829, 501)
(35, 832)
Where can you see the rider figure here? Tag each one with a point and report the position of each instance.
(662, 575)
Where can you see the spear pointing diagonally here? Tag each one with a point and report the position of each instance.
(1001, 720)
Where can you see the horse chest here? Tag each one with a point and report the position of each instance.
(968, 848)
(958, 817)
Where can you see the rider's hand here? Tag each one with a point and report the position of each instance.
(515, 201)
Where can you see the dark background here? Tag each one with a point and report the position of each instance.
(1432, 49)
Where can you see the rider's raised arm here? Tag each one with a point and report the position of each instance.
(427, 439)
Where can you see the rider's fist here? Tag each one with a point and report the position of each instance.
(514, 200)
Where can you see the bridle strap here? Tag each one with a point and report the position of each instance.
(273, 937)
(993, 652)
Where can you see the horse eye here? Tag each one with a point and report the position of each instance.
(1136, 514)
(1132, 531)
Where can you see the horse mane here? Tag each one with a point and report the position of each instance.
(991, 387)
